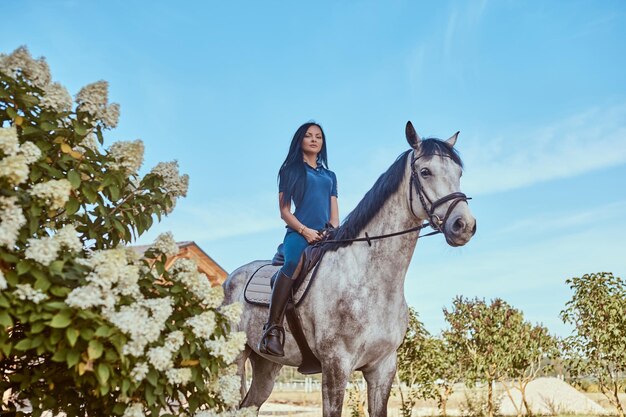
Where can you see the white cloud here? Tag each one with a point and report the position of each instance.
(581, 143)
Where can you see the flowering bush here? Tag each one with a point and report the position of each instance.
(87, 326)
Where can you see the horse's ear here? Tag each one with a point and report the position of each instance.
(411, 136)
(452, 139)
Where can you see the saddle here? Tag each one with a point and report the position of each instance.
(258, 291)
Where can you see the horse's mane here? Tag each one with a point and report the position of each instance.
(385, 186)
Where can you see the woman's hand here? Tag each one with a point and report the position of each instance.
(311, 235)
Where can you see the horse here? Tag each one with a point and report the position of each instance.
(355, 315)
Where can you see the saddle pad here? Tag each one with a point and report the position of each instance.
(259, 292)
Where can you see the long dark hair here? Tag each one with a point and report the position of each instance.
(292, 173)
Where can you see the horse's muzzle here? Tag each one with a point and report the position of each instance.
(459, 230)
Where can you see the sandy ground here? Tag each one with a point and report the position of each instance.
(545, 395)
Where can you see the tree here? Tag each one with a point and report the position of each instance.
(532, 350)
(86, 327)
(481, 335)
(597, 346)
(428, 367)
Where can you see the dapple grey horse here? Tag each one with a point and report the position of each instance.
(355, 314)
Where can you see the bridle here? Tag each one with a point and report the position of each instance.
(436, 222)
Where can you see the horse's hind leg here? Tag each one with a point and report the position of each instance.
(379, 379)
(263, 375)
(241, 369)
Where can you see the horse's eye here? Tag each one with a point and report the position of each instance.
(425, 172)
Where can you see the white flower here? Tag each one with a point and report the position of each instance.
(111, 116)
(26, 292)
(19, 62)
(9, 143)
(214, 298)
(229, 389)
(55, 97)
(68, 238)
(186, 272)
(178, 376)
(144, 321)
(174, 340)
(232, 312)
(88, 296)
(160, 357)
(229, 348)
(54, 192)
(30, 151)
(11, 220)
(128, 155)
(93, 99)
(44, 250)
(134, 410)
(173, 183)
(14, 168)
(3, 281)
(166, 244)
(140, 371)
(202, 325)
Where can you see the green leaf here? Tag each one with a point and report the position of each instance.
(42, 283)
(5, 319)
(9, 257)
(61, 320)
(149, 395)
(23, 344)
(153, 377)
(23, 267)
(59, 356)
(72, 358)
(103, 331)
(90, 194)
(103, 373)
(56, 267)
(4, 302)
(115, 192)
(74, 178)
(95, 349)
(46, 126)
(11, 112)
(72, 206)
(72, 335)
(79, 128)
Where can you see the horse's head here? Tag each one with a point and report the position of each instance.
(436, 172)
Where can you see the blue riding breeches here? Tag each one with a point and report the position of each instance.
(293, 246)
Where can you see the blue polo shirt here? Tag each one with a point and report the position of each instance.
(313, 210)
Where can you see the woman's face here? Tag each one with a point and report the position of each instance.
(313, 141)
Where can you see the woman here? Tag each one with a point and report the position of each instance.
(305, 179)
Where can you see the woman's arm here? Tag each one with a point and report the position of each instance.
(334, 211)
(292, 221)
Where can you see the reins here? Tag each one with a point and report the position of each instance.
(367, 238)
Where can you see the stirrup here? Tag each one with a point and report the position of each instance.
(263, 342)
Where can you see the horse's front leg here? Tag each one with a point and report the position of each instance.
(335, 376)
(379, 377)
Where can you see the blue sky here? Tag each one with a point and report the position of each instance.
(537, 90)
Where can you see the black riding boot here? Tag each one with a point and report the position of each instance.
(273, 332)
